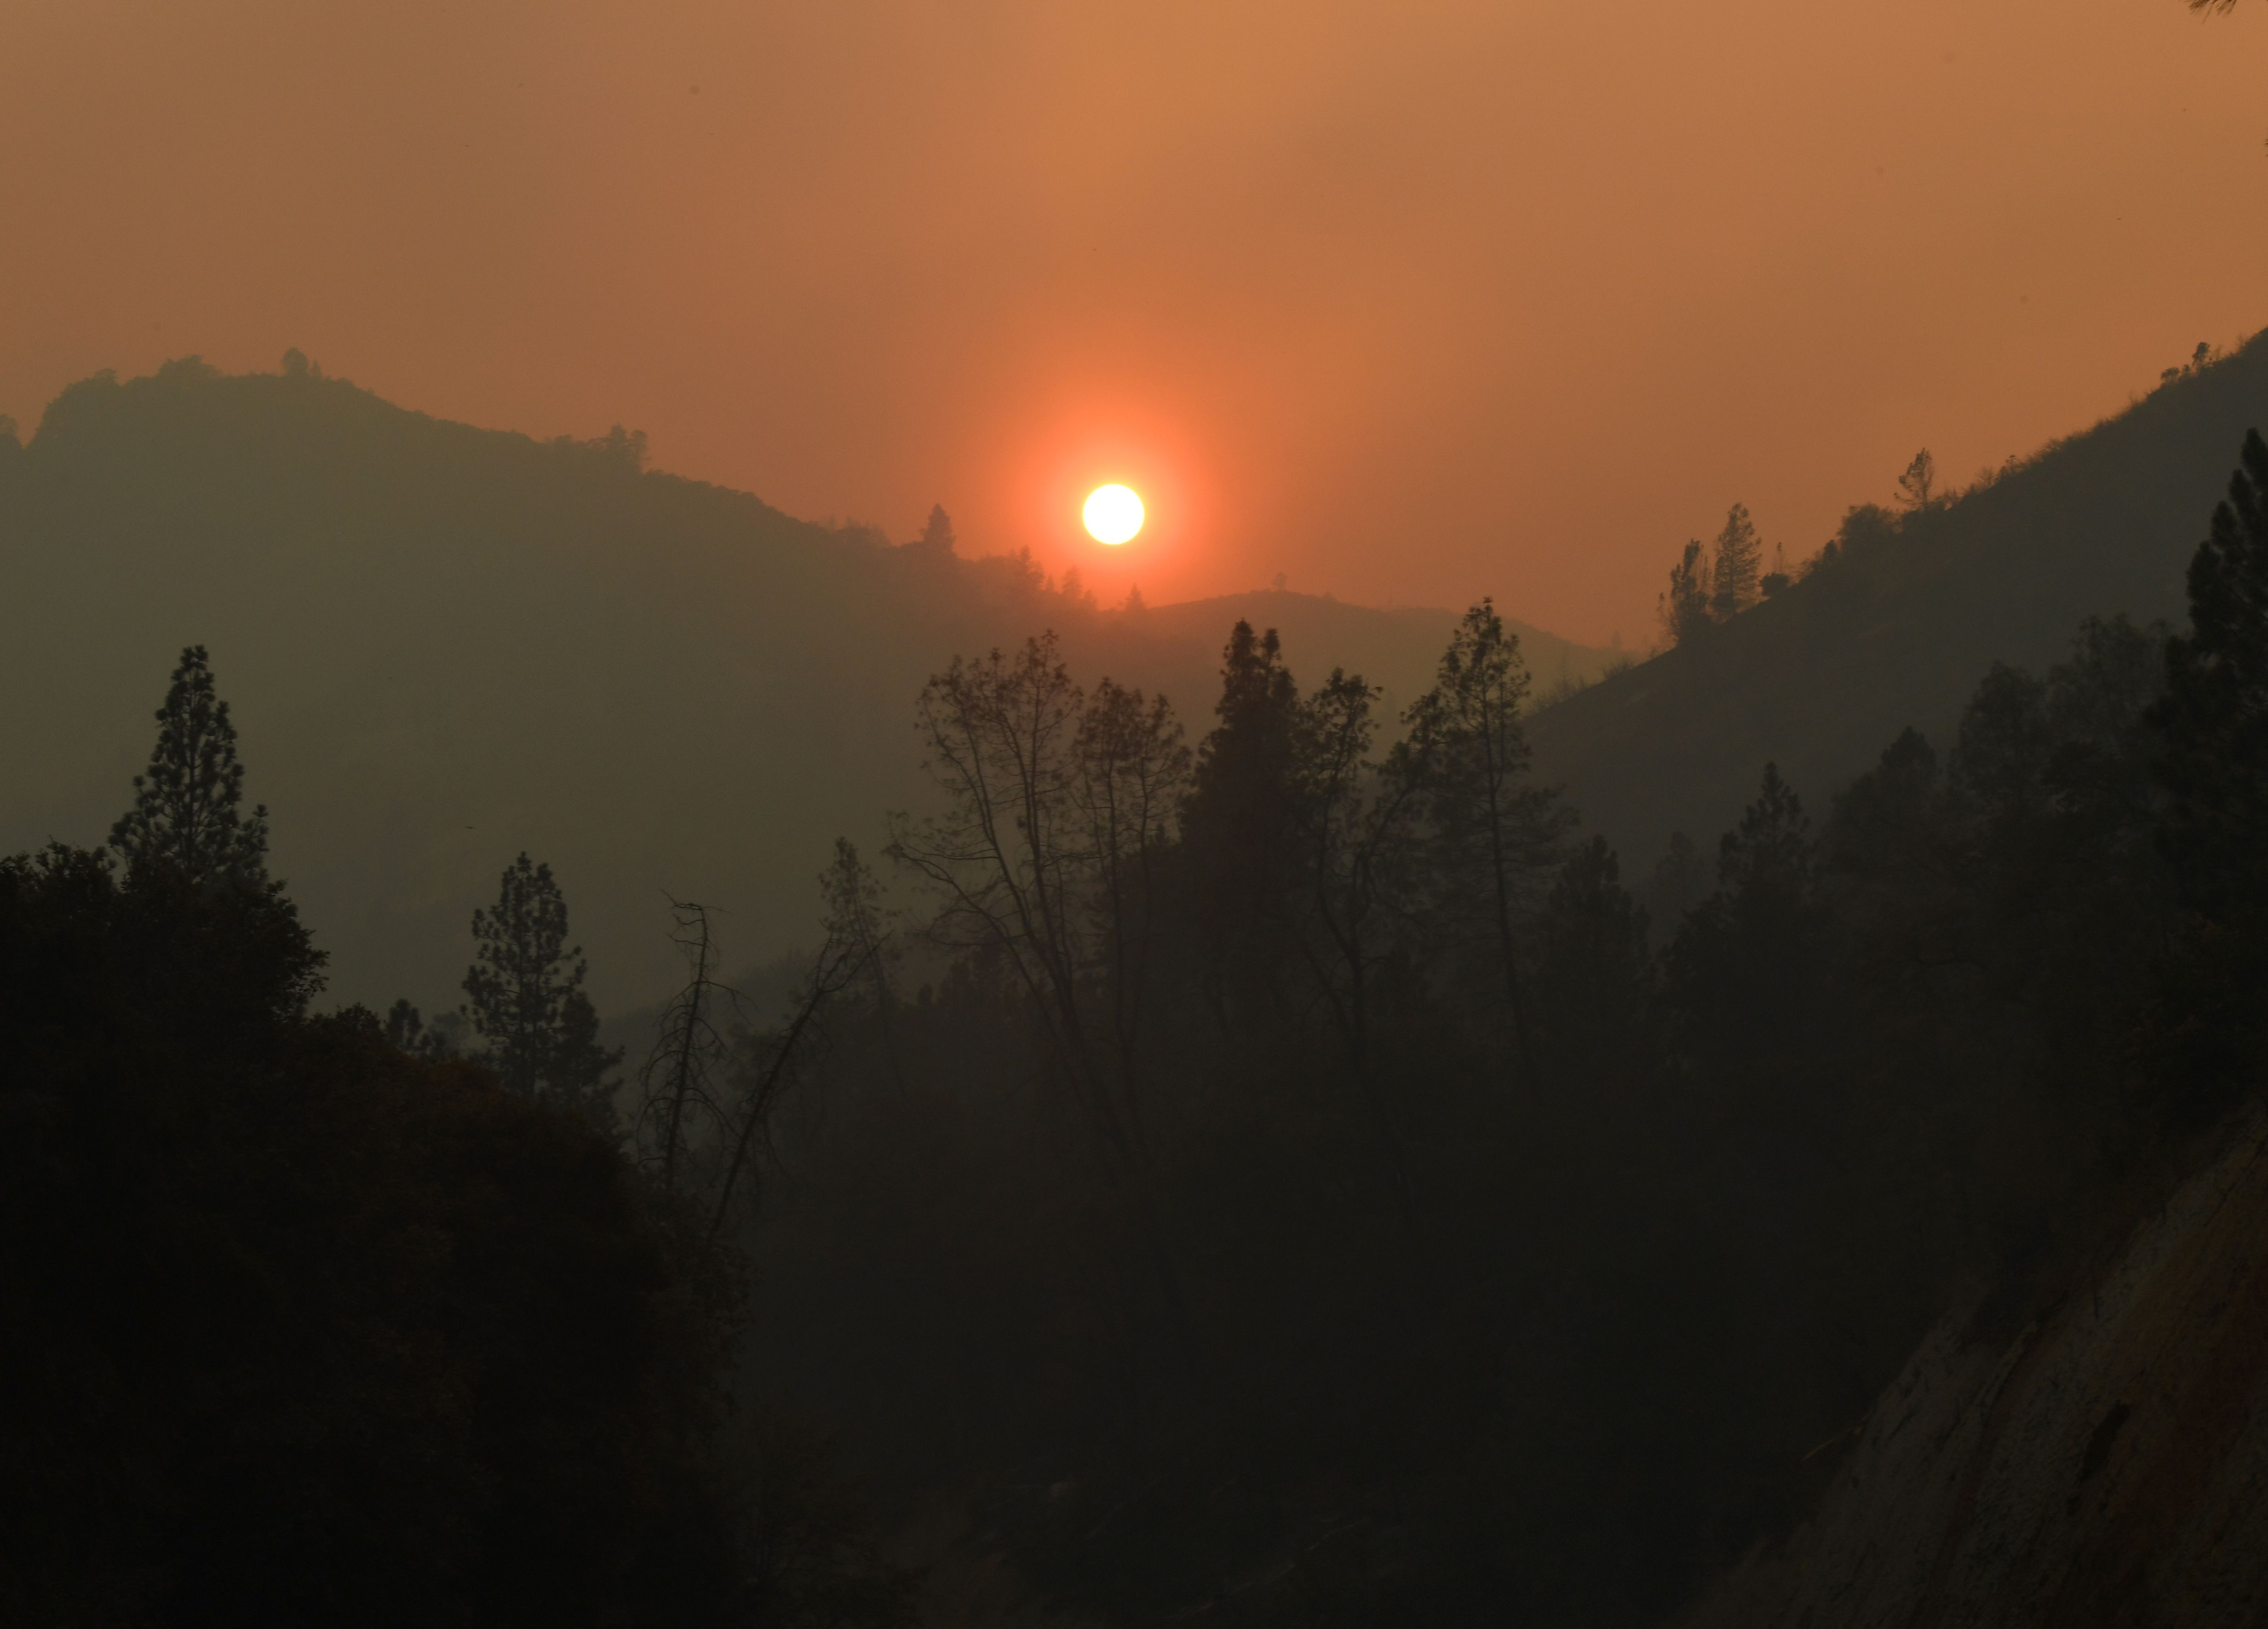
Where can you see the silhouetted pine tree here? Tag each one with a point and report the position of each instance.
(1749, 971)
(1887, 849)
(1492, 834)
(1685, 609)
(688, 1046)
(526, 991)
(405, 1026)
(1739, 562)
(1594, 973)
(1680, 882)
(2214, 715)
(407, 1031)
(185, 811)
(1771, 848)
(1917, 487)
(1242, 812)
(1354, 828)
(1243, 766)
(2213, 765)
(937, 535)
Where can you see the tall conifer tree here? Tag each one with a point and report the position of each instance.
(1492, 831)
(1917, 487)
(1684, 609)
(185, 813)
(527, 1002)
(1739, 565)
(2214, 716)
(1242, 812)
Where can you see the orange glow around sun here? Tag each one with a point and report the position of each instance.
(1113, 514)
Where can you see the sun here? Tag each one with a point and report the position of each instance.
(1113, 513)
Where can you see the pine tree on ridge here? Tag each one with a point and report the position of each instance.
(185, 811)
(526, 998)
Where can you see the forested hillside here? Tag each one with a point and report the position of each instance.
(1892, 629)
(452, 644)
(1271, 1167)
(1341, 1201)
(449, 644)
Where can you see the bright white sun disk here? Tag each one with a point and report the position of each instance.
(1113, 514)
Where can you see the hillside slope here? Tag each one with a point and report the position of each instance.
(1399, 649)
(2108, 1465)
(445, 645)
(1899, 629)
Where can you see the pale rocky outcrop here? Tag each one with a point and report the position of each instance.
(2109, 1465)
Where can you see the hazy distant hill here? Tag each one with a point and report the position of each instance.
(1899, 630)
(444, 645)
(1398, 649)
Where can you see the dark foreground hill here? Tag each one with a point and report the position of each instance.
(1898, 627)
(445, 645)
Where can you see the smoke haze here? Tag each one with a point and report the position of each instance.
(1410, 303)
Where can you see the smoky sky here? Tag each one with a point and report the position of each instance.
(1410, 301)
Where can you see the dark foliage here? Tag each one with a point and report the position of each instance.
(302, 1329)
(1293, 1182)
(1892, 619)
(1390, 1324)
(185, 813)
(527, 1000)
(2213, 767)
(308, 1323)
(2215, 711)
(439, 630)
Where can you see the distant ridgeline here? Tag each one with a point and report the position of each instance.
(1894, 622)
(445, 646)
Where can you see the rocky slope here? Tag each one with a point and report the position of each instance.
(2107, 1466)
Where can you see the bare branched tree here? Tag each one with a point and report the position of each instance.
(1133, 773)
(1011, 854)
(714, 1082)
(678, 1094)
(775, 1062)
(856, 917)
(1056, 812)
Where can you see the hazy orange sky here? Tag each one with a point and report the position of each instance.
(1411, 301)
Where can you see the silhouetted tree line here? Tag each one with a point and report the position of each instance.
(1293, 1180)
(1715, 583)
(1288, 1179)
(308, 1324)
(526, 1002)
(1712, 583)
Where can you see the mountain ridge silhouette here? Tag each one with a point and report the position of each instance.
(444, 645)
